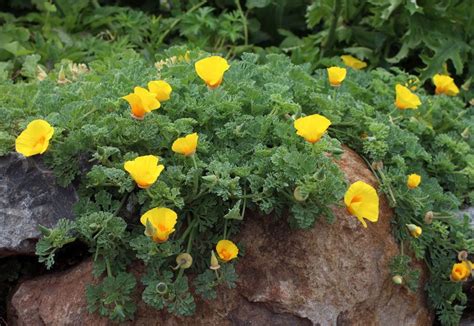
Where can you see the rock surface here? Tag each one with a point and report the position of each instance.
(29, 196)
(333, 274)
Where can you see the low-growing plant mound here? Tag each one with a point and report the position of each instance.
(246, 155)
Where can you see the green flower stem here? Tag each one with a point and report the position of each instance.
(109, 270)
(177, 20)
(244, 22)
(225, 228)
(196, 176)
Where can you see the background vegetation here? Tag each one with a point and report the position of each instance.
(263, 91)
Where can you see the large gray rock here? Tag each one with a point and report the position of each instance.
(29, 196)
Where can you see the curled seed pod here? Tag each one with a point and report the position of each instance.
(299, 194)
(462, 255)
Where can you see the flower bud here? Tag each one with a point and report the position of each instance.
(415, 230)
(429, 217)
(462, 255)
(299, 194)
(62, 76)
(214, 262)
(377, 165)
(40, 73)
(397, 279)
(184, 260)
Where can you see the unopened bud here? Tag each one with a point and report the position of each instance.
(377, 165)
(465, 134)
(299, 194)
(214, 262)
(429, 217)
(62, 76)
(415, 230)
(40, 73)
(184, 260)
(397, 279)
(462, 255)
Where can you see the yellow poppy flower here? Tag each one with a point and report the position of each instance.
(212, 70)
(405, 99)
(141, 102)
(227, 250)
(186, 145)
(161, 88)
(352, 62)
(415, 230)
(336, 75)
(35, 138)
(362, 201)
(159, 223)
(445, 85)
(413, 181)
(461, 271)
(312, 127)
(144, 170)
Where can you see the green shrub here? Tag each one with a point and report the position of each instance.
(249, 158)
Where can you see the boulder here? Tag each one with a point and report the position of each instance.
(333, 274)
(29, 196)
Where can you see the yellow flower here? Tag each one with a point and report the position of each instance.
(35, 138)
(161, 88)
(405, 99)
(415, 230)
(461, 271)
(312, 127)
(144, 170)
(413, 181)
(445, 85)
(336, 75)
(352, 62)
(362, 201)
(186, 145)
(227, 250)
(159, 223)
(141, 102)
(212, 70)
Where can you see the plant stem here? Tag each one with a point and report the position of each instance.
(332, 29)
(225, 229)
(196, 176)
(109, 270)
(244, 22)
(177, 20)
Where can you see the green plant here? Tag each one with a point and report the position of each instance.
(248, 157)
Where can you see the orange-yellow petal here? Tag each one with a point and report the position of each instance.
(161, 88)
(352, 62)
(141, 102)
(186, 145)
(227, 250)
(312, 127)
(445, 85)
(413, 181)
(461, 271)
(336, 75)
(35, 138)
(211, 70)
(144, 170)
(163, 221)
(362, 201)
(405, 99)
